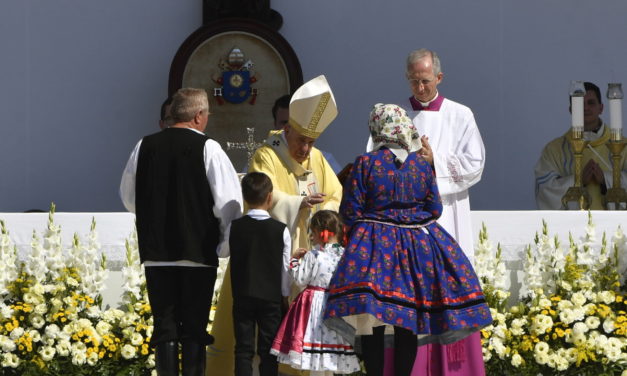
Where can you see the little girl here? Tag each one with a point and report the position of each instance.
(303, 341)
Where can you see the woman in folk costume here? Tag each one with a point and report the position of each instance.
(303, 341)
(401, 273)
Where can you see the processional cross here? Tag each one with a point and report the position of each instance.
(249, 145)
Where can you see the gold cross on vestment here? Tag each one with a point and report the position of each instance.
(249, 145)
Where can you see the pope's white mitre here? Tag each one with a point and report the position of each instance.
(312, 107)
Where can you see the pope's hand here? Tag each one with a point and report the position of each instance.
(311, 200)
(426, 151)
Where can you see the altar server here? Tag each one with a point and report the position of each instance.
(185, 192)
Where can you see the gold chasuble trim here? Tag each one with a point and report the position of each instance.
(604, 138)
(310, 130)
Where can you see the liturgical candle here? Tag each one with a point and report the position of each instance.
(616, 116)
(577, 92)
(577, 112)
(615, 96)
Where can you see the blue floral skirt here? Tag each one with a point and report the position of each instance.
(414, 277)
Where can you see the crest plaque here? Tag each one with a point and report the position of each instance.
(244, 66)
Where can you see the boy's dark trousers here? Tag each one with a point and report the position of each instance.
(265, 315)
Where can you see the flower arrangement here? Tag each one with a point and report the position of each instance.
(51, 319)
(571, 318)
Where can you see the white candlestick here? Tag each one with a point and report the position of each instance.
(577, 112)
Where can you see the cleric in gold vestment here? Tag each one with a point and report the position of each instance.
(303, 182)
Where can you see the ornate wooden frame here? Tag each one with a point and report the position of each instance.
(203, 33)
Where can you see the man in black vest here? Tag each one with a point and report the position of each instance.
(185, 192)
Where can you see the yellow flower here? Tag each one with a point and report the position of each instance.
(603, 310)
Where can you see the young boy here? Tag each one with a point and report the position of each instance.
(260, 252)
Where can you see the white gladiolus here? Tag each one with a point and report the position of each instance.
(93, 312)
(8, 260)
(620, 243)
(566, 286)
(129, 320)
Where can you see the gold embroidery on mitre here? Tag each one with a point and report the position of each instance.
(300, 129)
(315, 118)
(311, 131)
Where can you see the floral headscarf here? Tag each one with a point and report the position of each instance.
(391, 127)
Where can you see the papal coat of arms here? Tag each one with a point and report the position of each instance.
(236, 79)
